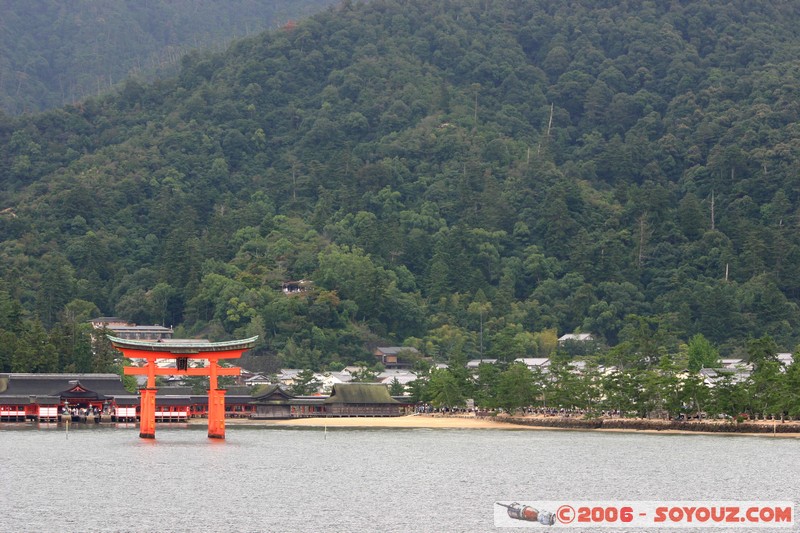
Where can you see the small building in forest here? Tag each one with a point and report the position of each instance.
(128, 330)
(575, 337)
(578, 344)
(297, 287)
(534, 363)
(396, 356)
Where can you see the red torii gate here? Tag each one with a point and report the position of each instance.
(182, 351)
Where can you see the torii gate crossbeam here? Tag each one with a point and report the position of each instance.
(181, 351)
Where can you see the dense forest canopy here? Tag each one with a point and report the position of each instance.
(468, 177)
(54, 53)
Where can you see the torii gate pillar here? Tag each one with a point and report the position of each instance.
(147, 413)
(216, 406)
(181, 352)
(216, 413)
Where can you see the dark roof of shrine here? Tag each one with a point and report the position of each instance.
(272, 393)
(68, 385)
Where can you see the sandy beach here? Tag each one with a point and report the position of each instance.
(410, 421)
(465, 422)
(457, 422)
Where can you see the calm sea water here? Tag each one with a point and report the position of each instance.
(349, 480)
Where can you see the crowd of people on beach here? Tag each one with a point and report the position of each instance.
(426, 408)
(567, 413)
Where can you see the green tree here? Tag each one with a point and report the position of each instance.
(445, 389)
(73, 342)
(789, 392)
(766, 389)
(515, 388)
(480, 309)
(646, 338)
(730, 396)
(622, 392)
(450, 344)
(563, 388)
(695, 395)
(761, 351)
(396, 388)
(364, 374)
(701, 353)
(35, 352)
(305, 383)
(418, 390)
(486, 383)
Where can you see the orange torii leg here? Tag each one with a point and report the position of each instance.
(216, 413)
(147, 403)
(147, 414)
(216, 403)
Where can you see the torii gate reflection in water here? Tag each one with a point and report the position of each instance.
(182, 351)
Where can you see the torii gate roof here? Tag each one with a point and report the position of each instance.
(182, 348)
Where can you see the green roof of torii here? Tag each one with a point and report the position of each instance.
(177, 347)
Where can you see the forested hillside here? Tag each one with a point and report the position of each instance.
(469, 177)
(54, 52)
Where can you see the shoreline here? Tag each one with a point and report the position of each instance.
(416, 421)
(425, 421)
(633, 425)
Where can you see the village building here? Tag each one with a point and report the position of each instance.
(606, 370)
(128, 330)
(257, 380)
(712, 376)
(578, 344)
(473, 364)
(404, 377)
(535, 363)
(575, 337)
(396, 356)
(109, 322)
(327, 380)
(577, 367)
(149, 333)
(733, 362)
(286, 376)
(291, 288)
(343, 377)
